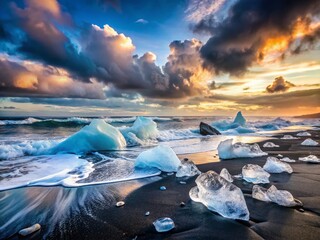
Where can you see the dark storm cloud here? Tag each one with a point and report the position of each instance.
(237, 40)
(213, 85)
(279, 85)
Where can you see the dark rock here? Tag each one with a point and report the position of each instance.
(206, 129)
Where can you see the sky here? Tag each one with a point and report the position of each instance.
(159, 57)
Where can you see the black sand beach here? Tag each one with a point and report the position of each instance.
(194, 220)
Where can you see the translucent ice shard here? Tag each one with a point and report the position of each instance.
(239, 119)
(187, 169)
(303, 134)
(288, 137)
(309, 142)
(220, 196)
(281, 197)
(226, 175)
(27, 231)
(163, 224)
(161, 157)
(270, 145)
(310, 158)
(255, 174)
(286, 159)
(274, 165)
(227, 150)
(260, 193)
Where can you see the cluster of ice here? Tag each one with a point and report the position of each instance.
(220, 196)
(255, 174)
(187, 169)
(280, 197)
(239, 119)
(286, 159)
(226, 175)
(270, 145)
(274, 165)
(227, 150)
(309, 142)
(163, 224)
(288, 137)
(99, 135)
(303, 134)
(310, 159)
(161, 157)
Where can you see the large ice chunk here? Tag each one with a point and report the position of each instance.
(310, 159)
(303, 134)
(274, 165)
(309, 142)
(161, 157)
(163, 224)
(255, 174)
(281, 197)
(260, 193)
(226, 175)
(99, 135)
(270, 145)
(144, 128)
(220, 196)
(227, 150)
(187, 169)
(239, 119)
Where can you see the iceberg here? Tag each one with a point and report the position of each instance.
(143, 128)
(161, 157)
(310, 159)
(220, 196)
(226, 175)
(239, 119)
(187, 169)
(97, 136)
(288, 137)
(309, 142)
(255, 174)
(270, 145)
(286, 159)
(227, 150)
(303, 134)
(163, 224)
(281, 197)
(260, 193)
(274, 165)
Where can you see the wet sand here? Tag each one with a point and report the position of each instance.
(195, 221)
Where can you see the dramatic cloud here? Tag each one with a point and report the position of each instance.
(255, 31)
(279, 85)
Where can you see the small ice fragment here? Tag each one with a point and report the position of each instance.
(220, 196)
(27, 231)
(120, 203)
(281, 197)
(163, 188)
(286, 159)
(288, 137)
(310, 159)
(270, 145)
(163, 224)
(147, 213)
(303, 134)
(170, 173)
(309, 142)
(161, 157)
(227, 150)
(274, 165)
(183, 182)
(226, 175)
(279, 155)
(260, 193)
(255, 174)
(182, 204)
(187, 169)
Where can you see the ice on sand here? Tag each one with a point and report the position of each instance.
(286, 159)
(187, 169)
(274, 165)
(303, 134)
(239, 119)
(161, 157)
(227, 150)
(220, 196)
(309, 142)
(226, 175)
(163, 224)
(310, 159)
(270, 145)
(280, 197)
(255, 174)
(27, 231)
(288, 137)
(99, 135)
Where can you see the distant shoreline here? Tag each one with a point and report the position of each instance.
(314, 115)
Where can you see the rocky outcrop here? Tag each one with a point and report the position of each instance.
(206, 129)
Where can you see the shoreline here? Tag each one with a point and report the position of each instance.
(194, 220)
